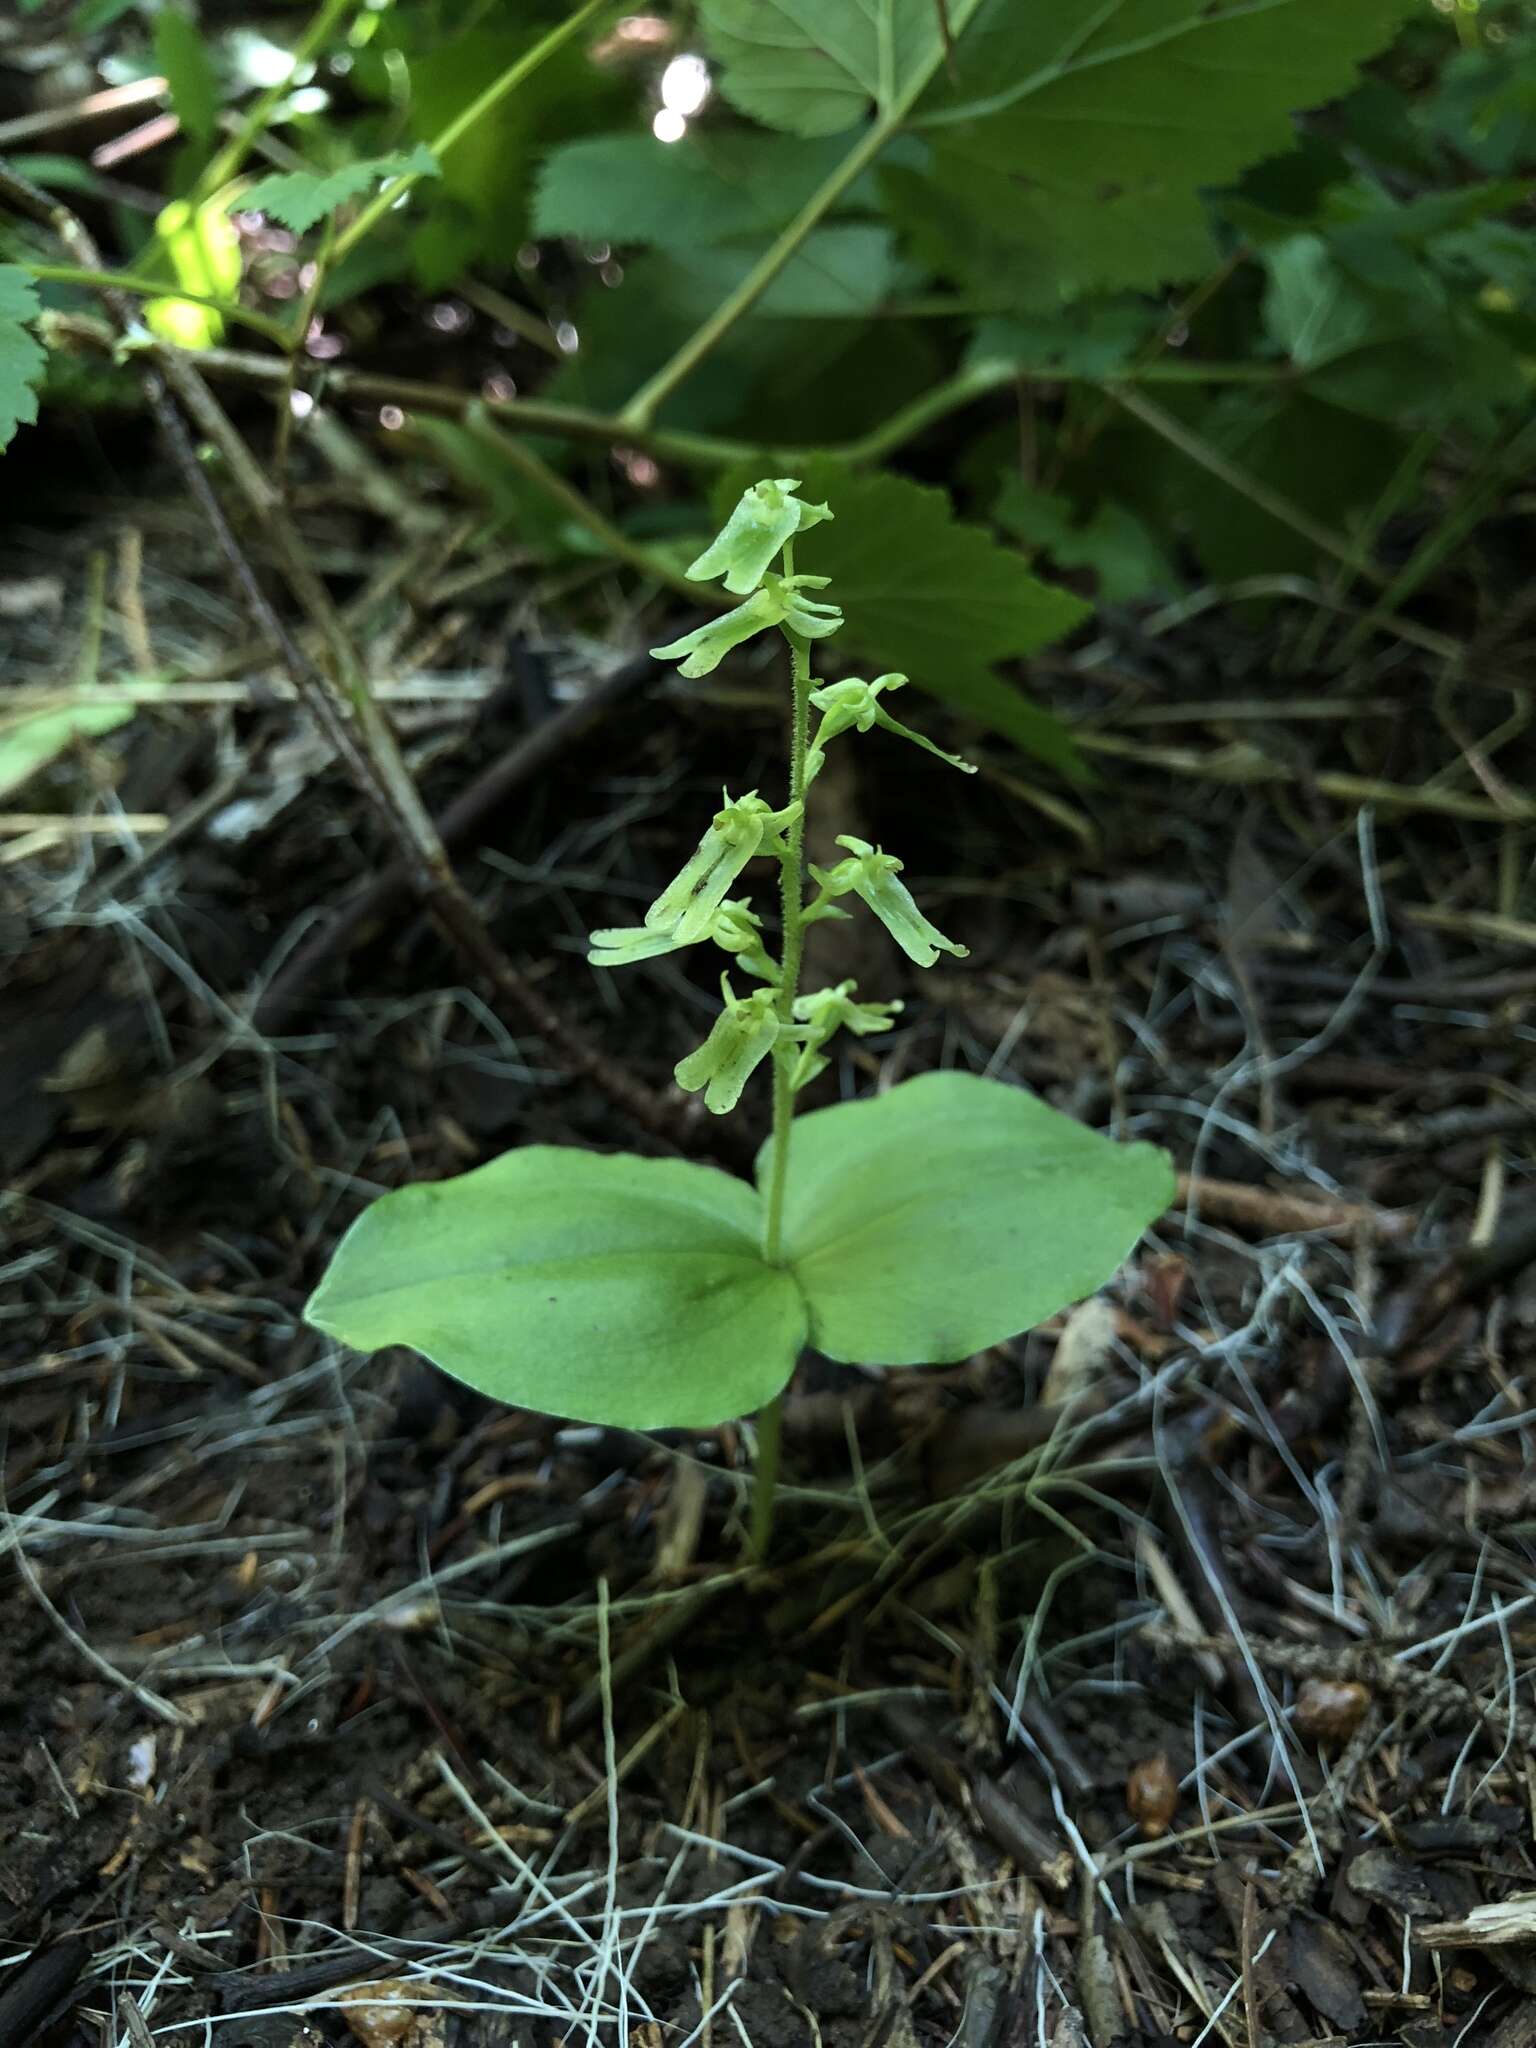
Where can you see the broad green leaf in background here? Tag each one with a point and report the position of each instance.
(301, 198)
(485, 172)
(953, 1211)
(610, 1288)
(1328, 462)
(715, 185)
(200, 247)
(1408, 313)
(1079, 136)
(1483, 103)
(21, 354)
(1113, 541)
(923, 592)
(181, 52)
(1092, 338)
(815, 67)
(838, 271)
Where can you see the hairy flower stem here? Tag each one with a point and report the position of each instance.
(792, 883)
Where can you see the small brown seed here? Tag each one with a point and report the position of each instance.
(1330, 1709)
(1152, 1793)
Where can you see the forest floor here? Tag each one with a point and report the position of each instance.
(1164, 1676)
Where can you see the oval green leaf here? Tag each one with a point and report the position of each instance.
(607, 1288)
(952, 1212)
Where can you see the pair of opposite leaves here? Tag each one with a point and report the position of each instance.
(920, 1226)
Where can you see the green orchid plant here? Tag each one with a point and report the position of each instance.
(913, 1227)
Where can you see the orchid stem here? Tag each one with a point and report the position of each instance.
(792, 883)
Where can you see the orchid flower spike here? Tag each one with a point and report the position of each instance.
(777, 602)
(854, 703)
(872, 875)
(741, 1039)
(766, 519)
(686, 907)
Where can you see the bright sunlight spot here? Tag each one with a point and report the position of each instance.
(685, 85)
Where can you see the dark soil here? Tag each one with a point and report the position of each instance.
(1162, 1677)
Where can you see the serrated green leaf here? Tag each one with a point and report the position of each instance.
(712, 186)
(923, 592)
(301, 198)
(609, 1288)
(181, 52)
(953, 1211)
(21, 354)
(815, 67)
(1079, 136)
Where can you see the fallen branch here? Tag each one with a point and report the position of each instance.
(1286, 1212)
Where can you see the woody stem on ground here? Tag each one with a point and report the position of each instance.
(792, 885)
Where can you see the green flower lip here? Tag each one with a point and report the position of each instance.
(778, 602)
(735, 928)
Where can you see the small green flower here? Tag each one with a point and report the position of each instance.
(686, 907)
(777, 603)
(871, 875)
(828, 1010)
(766, 518)
(741, 1039)
(703, 650)
(737, 930)
(856, 703)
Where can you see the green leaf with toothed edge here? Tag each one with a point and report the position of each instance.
(933, 596)
(21, 354)
(301, 198)
(815, 67)
(1080, 137)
